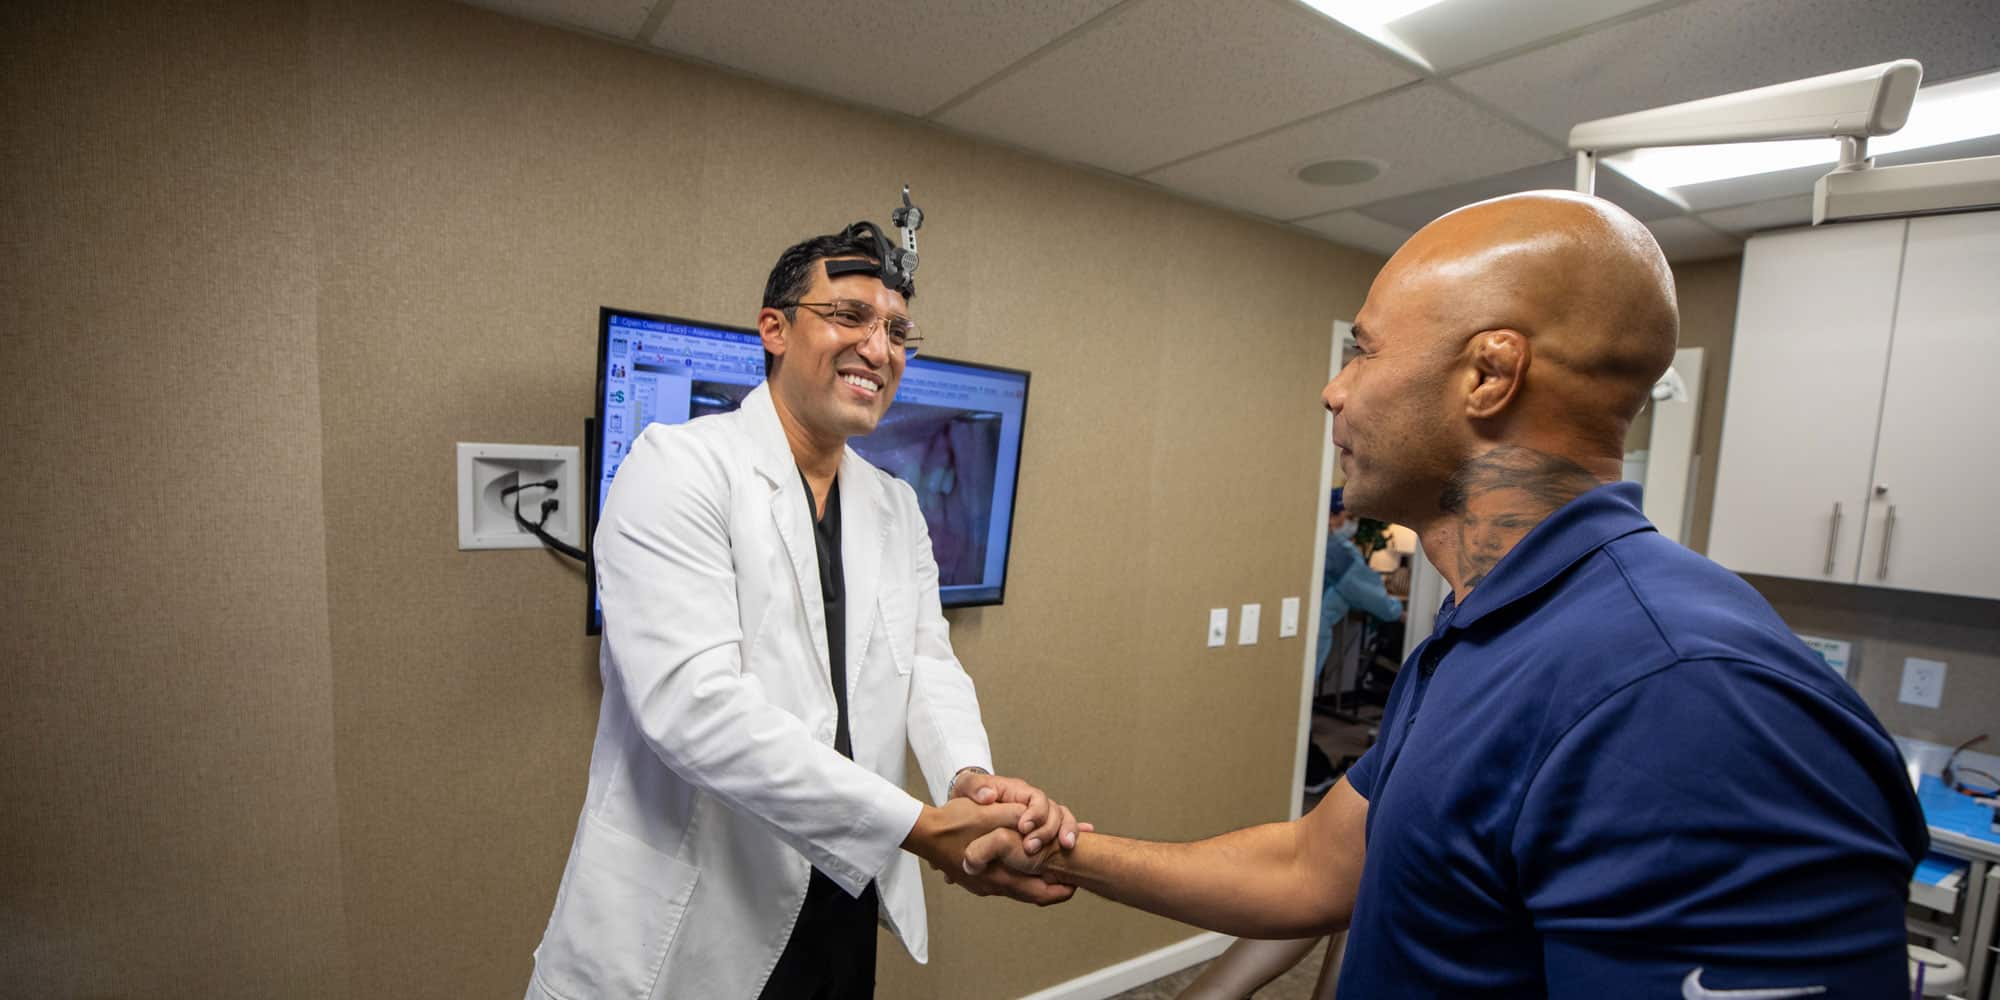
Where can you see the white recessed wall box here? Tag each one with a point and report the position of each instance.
(486, 516)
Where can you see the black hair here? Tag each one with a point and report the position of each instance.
(791, 277)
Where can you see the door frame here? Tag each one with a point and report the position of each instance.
(1343, 336)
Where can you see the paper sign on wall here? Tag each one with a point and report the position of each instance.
(1834, 651)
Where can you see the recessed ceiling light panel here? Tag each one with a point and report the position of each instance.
(1365, 14)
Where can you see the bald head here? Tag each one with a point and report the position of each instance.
(1536, 321)
(1583, 281)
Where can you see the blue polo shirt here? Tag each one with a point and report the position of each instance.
(1613, 772)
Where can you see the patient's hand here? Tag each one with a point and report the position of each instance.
(1044, 822)
(943, 834)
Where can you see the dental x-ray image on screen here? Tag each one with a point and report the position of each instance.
(953, 433)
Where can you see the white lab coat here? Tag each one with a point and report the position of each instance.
(714, 784)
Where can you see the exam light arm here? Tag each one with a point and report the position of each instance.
(1854, 103)
(1851, 105)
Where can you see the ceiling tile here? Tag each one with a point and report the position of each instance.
(1158, 80)
(1357, 230)
(1427, 135)
(1417, 210)
(1462, 32)
(1779, 213)
(1712, 47)
(1684, 239)
(617, 18)
(910, 56)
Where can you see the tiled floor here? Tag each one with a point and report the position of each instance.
(1338, 739)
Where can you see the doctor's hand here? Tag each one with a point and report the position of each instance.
(1044, 824)
(942, 835)
(1006, 851)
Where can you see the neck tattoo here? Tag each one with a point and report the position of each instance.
(1497, 498)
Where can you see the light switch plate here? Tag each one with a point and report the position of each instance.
(1246, 628)
(1288, 617)
(1218, 626)
(1923, 683)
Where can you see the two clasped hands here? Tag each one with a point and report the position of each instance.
(991, 818)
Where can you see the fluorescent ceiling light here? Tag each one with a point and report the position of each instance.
(1945, 113)
(1666, 168)
(1372, 19)
(1364, 15)
(1949, 112)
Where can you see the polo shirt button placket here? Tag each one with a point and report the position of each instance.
(1426, 667)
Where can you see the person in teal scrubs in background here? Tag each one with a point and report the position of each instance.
(1348, 583)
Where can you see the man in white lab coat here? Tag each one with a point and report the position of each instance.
(772, 643)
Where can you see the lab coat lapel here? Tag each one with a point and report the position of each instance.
(864, 534)
(789, 513)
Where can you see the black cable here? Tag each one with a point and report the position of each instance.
(545, 484)
(1950, 774)
(1990, 780)
(535, 527)
(1955, 751)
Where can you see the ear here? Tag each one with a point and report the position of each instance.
(1500, 361)
(772, 329)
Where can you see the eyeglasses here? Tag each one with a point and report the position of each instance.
(853, 314)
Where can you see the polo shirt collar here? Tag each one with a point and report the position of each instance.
(1562, 540)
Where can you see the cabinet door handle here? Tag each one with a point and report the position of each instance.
(1833, 538)
(1888, 536)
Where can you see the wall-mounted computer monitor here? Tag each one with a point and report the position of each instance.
(953, 433)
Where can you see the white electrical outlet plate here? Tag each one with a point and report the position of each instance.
(1288, 617)
(1218, 626)
(1246, 627)
(486, 519)
(1923, 683)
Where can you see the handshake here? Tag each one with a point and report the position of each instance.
(991, 819)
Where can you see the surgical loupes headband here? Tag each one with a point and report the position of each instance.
(898, 264)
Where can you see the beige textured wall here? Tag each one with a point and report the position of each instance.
(1885, 626)
(271, 734)
(167, 730)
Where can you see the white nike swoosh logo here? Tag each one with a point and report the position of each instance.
(1691, 989)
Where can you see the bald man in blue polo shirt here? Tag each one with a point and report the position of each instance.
(1611, 771)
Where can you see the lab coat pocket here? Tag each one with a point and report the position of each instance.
(621, 905)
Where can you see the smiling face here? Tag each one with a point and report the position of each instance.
(1392, 420)
(833, 383)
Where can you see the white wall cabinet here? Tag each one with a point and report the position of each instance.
(1805, 397)
(1858, 443)
(1937, 459)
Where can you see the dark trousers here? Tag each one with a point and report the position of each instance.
(831, 953)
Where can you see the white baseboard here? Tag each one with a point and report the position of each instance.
(1115, 979)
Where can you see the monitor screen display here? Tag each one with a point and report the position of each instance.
(953, 433)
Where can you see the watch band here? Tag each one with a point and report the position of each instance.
(974, 768)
